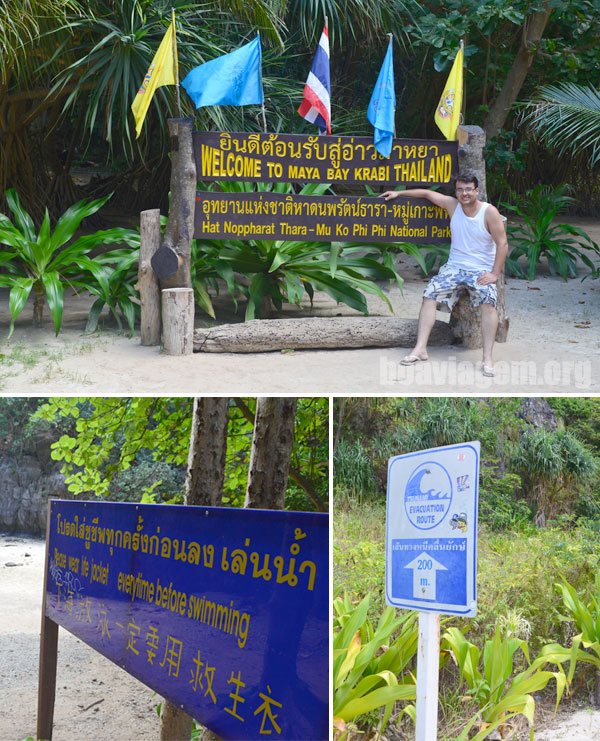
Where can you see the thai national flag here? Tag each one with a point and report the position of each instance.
(316, 105)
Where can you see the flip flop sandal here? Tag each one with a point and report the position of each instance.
(412, 359)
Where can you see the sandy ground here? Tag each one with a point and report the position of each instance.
(553, 348)
(94, 698)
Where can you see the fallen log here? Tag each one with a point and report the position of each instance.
(315, 333)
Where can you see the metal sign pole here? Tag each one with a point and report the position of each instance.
(428, 676)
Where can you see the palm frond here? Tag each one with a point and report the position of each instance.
(567, 117)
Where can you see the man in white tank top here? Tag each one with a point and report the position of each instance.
(477, 253)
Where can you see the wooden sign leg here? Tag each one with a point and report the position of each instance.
(47, 678)
(48, 655)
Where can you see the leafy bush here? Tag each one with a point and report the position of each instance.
(499, 507)
(538, 237)
(45, 261)
(499, 693)
(367, 661)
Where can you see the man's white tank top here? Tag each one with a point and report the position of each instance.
(472, 246)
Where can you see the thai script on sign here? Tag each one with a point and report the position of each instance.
(296, 217)
(240, 561)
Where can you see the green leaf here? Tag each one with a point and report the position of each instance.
(19, 293)
(54, 295)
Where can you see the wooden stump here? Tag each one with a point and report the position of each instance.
(178, 320)
(147, 281)
(316, 333)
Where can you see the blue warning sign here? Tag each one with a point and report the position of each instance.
(431, 530)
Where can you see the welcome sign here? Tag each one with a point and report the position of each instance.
(222, 611)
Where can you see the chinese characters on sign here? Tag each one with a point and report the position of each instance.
(222, 611)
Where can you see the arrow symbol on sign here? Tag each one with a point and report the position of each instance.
(425, 569)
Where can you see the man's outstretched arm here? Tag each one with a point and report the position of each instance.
(438, 199)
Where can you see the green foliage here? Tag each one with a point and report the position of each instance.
(586, 617)
(367, 661)
(113, 441)
(550, 463)
(270, 273)
(47, 260)
(517, 571)
(157, 481)
(566, 116)
(499, 693)
(499, 507)
(581, 414)
(118, 292)
(353, 468)
(562, 245)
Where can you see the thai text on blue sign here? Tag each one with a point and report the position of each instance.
(431, 530)
(222, 611)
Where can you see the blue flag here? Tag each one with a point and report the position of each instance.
(233, 79)
(382, 107)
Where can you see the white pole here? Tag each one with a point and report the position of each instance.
(428, 660)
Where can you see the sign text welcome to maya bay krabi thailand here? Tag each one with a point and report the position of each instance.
(285, 158)
(324, 159)
(222, 611)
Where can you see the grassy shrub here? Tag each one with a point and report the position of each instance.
(499, 507)
(354, 471)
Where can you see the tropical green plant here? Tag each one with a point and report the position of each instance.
(539, 237)
(499, 693)
(587, 619)
(367, 661)
(566, 116)
(118, 292)
(45, 261)
(550, 464)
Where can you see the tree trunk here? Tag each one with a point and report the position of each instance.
(203, 486)
(208, 445)
(39, 300)
(260, 335)
(533, 31)
(171, 262)
(271, 450)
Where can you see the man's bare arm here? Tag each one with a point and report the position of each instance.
(438, 199)
(495, 225)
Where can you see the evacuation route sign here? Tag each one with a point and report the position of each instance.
(222, 611)
(431, 530)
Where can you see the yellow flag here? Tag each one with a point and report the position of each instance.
(447, 113)
(162, 71)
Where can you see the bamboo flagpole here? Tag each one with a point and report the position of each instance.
(176, 62)
(463, 107)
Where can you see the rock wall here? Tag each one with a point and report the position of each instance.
(26, 483)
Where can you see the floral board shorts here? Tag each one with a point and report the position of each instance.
(445, 287)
